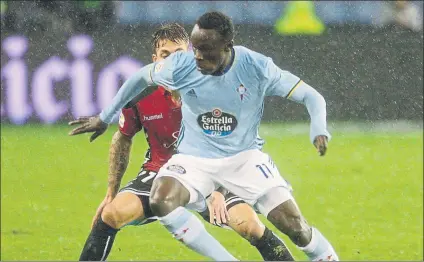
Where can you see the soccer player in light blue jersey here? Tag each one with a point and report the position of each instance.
(222, 88)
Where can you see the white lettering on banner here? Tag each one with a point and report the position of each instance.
(14, 73)
(81, 74)
(45, 104)
(109, 79)
(15, 105)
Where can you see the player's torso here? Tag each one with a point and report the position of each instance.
(225, 110)
(229, 99)
(160, 116)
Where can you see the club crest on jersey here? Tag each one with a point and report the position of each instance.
(217, 123)
(242, 91)
(177, 169)
(121, 120)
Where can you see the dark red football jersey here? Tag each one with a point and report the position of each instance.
(159, 115)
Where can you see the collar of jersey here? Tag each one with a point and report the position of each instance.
(227, 68)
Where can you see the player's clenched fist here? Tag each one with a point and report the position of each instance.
(320, 143)
(88, 125)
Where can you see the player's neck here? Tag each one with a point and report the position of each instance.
(226, 65)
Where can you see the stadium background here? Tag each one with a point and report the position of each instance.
(61, 60)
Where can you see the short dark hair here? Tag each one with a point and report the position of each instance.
(172, 31)
(219, 22)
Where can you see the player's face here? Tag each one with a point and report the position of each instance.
(167, 47)
(210, 50)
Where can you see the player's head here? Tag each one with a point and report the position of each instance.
(168, 39)
(212, 40)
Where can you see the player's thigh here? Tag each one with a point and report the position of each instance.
(243, 218)
(139, 189)
(278, 203)
(125, 208)
(185, 169)
(250, 175)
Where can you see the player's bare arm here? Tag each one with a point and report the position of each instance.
(119, 154)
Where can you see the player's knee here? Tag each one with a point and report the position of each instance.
(299, 231)
(167, 194)
(110, 215)
(249, 229)
(296, 228)
(162, 205)
(289, 221)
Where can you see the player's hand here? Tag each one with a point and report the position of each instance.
(108, 199)
(320, 143)
(217, 209)
(88, 125)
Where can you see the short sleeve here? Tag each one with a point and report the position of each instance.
(172, 71)
(278, 82)
(128, 122)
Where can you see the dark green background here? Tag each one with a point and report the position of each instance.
(364, 74)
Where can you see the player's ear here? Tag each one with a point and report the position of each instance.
(154, 57)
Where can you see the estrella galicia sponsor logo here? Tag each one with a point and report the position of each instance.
(177, 169)
(217, 123)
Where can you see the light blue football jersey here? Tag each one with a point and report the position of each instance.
(222, 114)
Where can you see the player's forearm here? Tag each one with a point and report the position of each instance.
(136, 84)
(316, 105)
(119, 154)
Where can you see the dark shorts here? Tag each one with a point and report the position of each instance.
(141, 186)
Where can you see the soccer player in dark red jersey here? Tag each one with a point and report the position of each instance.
(159, 115)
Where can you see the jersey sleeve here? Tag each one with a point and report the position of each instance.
(128, 122)
(171, 72)
(279, 82)
(131, 88)
(283, 83)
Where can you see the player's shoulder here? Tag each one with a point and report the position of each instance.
(248, 56)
